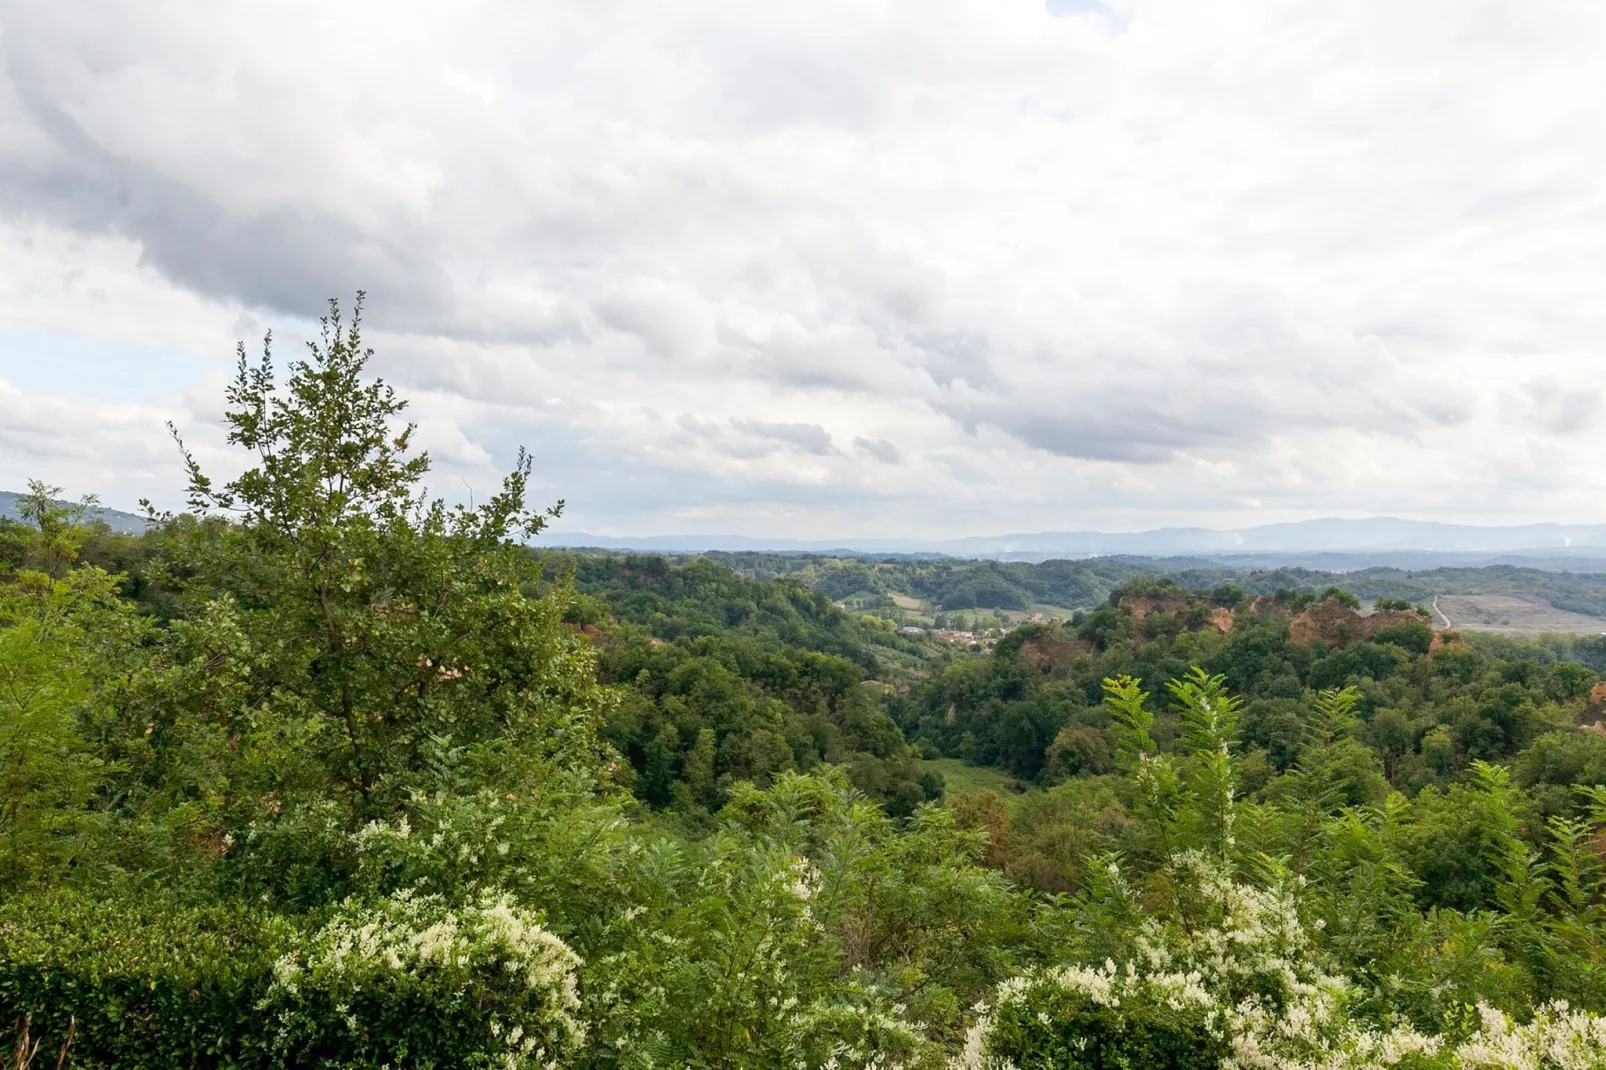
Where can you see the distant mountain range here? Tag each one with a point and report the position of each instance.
(116, 519)
(1333, 543)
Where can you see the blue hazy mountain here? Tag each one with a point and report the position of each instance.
(1329, 543)
(1359, 539)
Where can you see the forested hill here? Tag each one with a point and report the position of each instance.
(701, 596)
(13, 504)
(329, 775)
(728, 678)
(1061, 587)
(1427, 703)
(947, 583)
(1034, 707)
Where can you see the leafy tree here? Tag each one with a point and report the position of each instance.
(60, 528)
(1338, 594)
(48, 675)
(380, 623)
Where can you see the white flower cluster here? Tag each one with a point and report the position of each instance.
(1247, 982)
(805, 879)
(1558, 1037)
(458, 838)
(861, 1037)
(519, 977)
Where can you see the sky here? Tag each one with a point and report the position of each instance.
(850, 268)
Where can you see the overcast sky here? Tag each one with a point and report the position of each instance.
(836, 268)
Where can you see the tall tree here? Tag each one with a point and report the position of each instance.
(380, 627)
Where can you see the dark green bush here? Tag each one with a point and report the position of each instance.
(149, 985)
(1414, 636)
(1061, 1029)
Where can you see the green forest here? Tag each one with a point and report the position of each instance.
(324, 772)
(962, 587)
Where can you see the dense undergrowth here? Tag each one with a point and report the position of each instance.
(325, 774)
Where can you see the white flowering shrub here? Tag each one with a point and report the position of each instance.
(560, 852)
(1187, 1003)
(856, 1028)
(412, 981)
(1096, 1018)
(1558, 1038)
(1233, 981)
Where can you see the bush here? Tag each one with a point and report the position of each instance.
(1232, 979)
(145, 984)
(1416, 637)
(404, 981)
(1072, 1019)
(410, 981)
(856, 1029)
(1338, 594)
(1226, 976)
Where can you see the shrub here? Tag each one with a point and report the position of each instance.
(856, 1029)
(1231, 976)
(1558, 1036)
(1338, 594)
(1231, 980)
(406, 981)
(410, 981)
(1075, 1018)
(1415, 636)
(146, 984)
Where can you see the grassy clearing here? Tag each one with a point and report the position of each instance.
(959, 777)
(1514, 615)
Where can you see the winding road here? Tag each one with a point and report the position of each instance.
(1447, 622)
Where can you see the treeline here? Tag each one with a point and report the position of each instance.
(325, 773)
(950, 584)
(1488, 702)
(947, 584)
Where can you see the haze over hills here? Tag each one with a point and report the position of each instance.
(1330, 544)
(1333, 543)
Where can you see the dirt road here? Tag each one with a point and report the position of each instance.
(1442, 615)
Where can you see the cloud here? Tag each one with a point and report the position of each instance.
(84, 444)
(1559, 408)
(1086, 264)
(671, 321)
(878, 449)
(447, 444)
(810, 438)
(1254, 368)
(282, 256)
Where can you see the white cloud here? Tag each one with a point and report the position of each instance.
(941, 267)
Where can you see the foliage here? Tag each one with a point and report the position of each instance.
(52, 655)
(1226, 975)
(60, 528)
(328, 773)
(137, 981)
(729, 679)
(373, 620)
